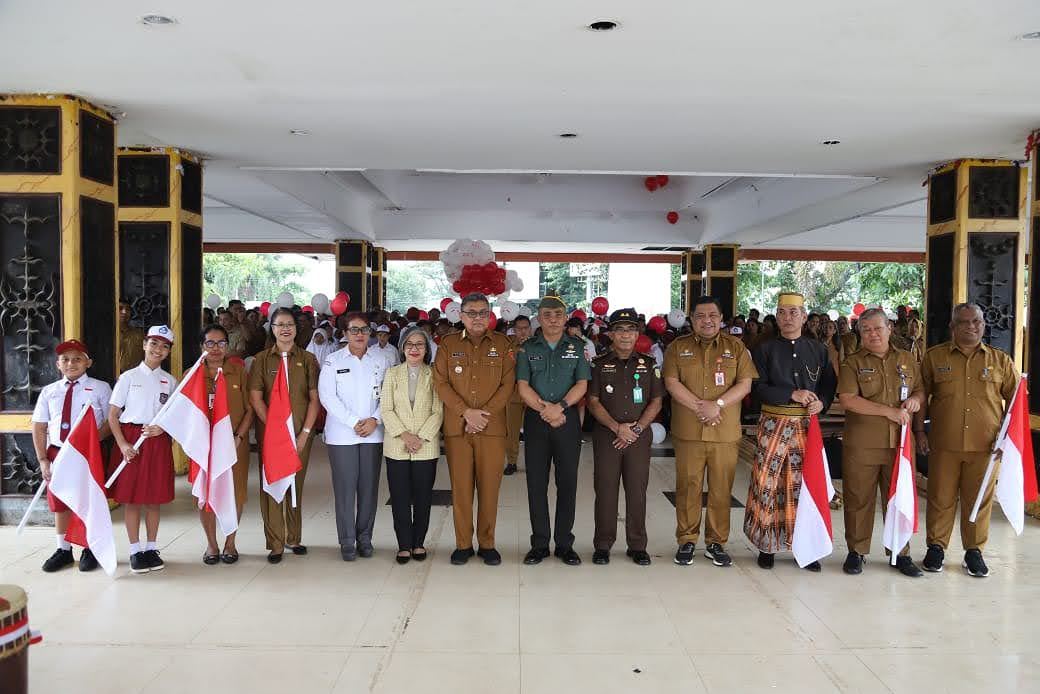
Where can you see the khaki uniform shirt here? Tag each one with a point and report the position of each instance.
(849, 343)
(475, 374)
(131, 351)
(967, 395)
(614, 382)
(516, 399)
(303, 378)
(237, 390)
(707, 369)
(879, 380)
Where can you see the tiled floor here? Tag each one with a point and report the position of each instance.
(317, 624)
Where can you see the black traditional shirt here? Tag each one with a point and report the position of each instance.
(785, 366)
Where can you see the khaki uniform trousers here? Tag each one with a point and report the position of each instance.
(475, 462)
(691, 460)
(283, 524)
(953, 475)
(514, 423)
(864, 471)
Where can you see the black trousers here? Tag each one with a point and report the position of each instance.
(411, 491)
(544, 447)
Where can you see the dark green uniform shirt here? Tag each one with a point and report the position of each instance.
(552, 372)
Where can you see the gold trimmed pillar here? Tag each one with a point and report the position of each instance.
(354, 260)
(691, 277)
(57, 280)
(720, 275)
(976, 249)
(1033, 334)
(379, 277)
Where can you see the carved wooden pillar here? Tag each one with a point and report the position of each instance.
(691, 278)
(354, 273)
(720, 276)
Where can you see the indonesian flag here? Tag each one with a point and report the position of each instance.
(1016, 483)
(812, 522)
(901, 512)
(78, 479)
(186, 418)
(280, 459)
(214, 485)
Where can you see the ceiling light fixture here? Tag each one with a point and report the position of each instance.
(831, 142)
(1031, 36)
(602, 25)
(296, 131)
(568, 136)
(157, 20)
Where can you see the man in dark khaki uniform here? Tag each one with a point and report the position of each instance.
(880, 388)
(967, 384)
(625, 396)
(515, 409)
(475, 374)
(707, 374)
(130, 339)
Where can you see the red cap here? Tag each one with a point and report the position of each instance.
(72, 345)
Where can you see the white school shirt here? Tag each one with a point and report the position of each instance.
(141, 393)
(348, 388)
(52, 400)
(389, 353)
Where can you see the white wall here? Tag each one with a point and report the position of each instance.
(643, 286)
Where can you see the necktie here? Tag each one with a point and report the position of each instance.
(66, 411)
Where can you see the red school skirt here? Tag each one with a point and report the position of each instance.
(55, 504)
(148, 478)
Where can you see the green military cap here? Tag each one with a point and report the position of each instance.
(551, 302)
(624, 315)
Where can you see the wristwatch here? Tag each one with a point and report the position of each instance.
(721, 403)
(306, 430)
(563, 405)
(637, 429)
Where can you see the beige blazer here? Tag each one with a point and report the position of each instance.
(422, 419)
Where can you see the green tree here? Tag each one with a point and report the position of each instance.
(416, 283)
(675, 273)
(575, 283)
(250, 276)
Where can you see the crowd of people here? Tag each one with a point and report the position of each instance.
(388, 389)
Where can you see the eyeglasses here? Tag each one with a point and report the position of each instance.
(359, 331)
(283, 326)
(415, 345)
(210, 344)
(474, 315)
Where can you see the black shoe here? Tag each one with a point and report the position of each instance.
(138, 564)
(853, 564)
(601, 556)
(717, 554)
(87, 561)
(639, 556)
(510, 469)
(365, 551)
(461, 556)
(684, 556)
(765, 560)
(210, 559)
(974, 564)
(403, 558)
(814, 567)
(906, 566)
(419, 556)
(274, 558)
(299, 550)
(229, 558)
(933, 559)
(536, 555)
(568, 556)
(155, 563)
(348, 554)
(490, 556)
(59, 560)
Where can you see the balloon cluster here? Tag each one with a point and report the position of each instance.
(652, 183)
(489, 279)
(470, 267)
(339, 303)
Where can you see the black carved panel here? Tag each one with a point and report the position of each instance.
(349, 254)
(992, 280)
(1033, 301)
(191, 187)
(19, 466)
(30, 139)
(30, 295)
(191, 291)
(939, 289)
(97, 148)
(353, 284)
(98, 265)
(725, 290)
(144, 271)
(723, 259)
(993, 192)
(697, 264)
(942, 197)
(144, 180)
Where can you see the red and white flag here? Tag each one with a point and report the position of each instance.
(78, 479)
(186, 417)
(812, 539)
(901, 512)
(1016, 483)
(280, 459)
(214, 484)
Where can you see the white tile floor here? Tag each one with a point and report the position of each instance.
(317, 624)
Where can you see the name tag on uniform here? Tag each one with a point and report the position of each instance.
(867, 371)
(375, 392)
(728, 355)
(342, 371)
(637, 395)
(534, 357)
(686, 353)
(493, 353)
(458, 354)
(944, 369)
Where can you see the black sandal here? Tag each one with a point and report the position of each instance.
(229, 558)
(404, 558)
(210, 559)
(419, 556)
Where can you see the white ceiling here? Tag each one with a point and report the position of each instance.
(431, 121)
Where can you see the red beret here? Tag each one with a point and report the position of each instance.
(72, 345)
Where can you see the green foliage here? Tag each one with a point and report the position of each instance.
(416, 283)
(830, 285)
(675, 269)
(250, 276)
(577, 284)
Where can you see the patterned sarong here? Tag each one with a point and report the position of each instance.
(776, 480)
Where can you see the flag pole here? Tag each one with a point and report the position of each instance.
(158, 415)
(43, 484)
(993, 456)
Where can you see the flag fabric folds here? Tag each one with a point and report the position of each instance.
(901, 510)
(211, 480)
(280, 459)
(812, 538)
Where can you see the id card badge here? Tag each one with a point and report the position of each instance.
(211, 396)
(904, 392)
(637, 395)
(720, 378)
(375, 392)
